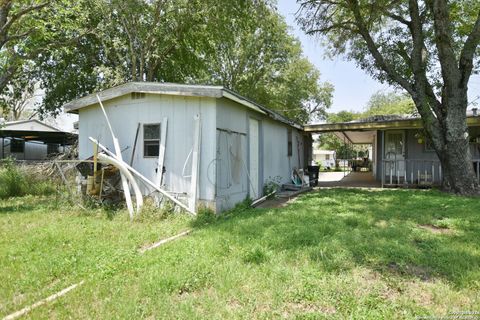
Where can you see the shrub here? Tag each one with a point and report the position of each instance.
(151, 212)
(15, 182)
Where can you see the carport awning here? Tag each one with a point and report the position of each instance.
(356, 137)
(44, 136)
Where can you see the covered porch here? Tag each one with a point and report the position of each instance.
(402, 156)
(352, 179)
(356, 171)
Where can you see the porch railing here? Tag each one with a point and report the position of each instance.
(416, 172)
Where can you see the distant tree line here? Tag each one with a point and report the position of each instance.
(380, 103)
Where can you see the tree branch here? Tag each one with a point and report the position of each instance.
(444, 43)
(468, 52)
(379, 59)
(21, 13)
(424, 96)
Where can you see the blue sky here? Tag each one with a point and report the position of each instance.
(353, 87)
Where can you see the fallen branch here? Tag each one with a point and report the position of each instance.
(26, 310)
(161, 242)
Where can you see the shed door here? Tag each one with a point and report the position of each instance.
(254, 146)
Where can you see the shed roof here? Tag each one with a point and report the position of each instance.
(175, 89)
(28, 125)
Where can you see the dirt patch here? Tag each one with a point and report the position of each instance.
(435, 229)
(234, 304)
(293, 308)
(381, 224)
(275, 203)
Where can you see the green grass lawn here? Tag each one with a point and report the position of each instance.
(330, 254)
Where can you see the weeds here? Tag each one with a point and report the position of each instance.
(15, 182)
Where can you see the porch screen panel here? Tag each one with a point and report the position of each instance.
(394, 143)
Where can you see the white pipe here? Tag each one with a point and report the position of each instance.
(118, 151)
(128, 175)
(195, 163)
(150, 183)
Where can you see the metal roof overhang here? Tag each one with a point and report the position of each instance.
(356, 137)
(43, 136)
(415, 123)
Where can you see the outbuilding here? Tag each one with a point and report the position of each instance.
(194, 137)
(32, 140)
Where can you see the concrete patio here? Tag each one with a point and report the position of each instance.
(347, 180)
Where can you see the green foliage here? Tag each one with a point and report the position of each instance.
(389, 103)
(430, 49)
(204, 216)
(271, 185)
(30, 30)
(243, 45)
(15, 182)
(255, 255)
(151, 212)
(380, 103)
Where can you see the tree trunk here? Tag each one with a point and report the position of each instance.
(457, 168)
(452, 145)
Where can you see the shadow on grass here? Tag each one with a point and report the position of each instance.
(339, 229)
(26, 204)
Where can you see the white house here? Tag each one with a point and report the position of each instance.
(326, 158)
(242, 145)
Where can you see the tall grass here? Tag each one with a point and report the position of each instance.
(15, 182)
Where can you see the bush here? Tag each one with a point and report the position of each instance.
(14, 182)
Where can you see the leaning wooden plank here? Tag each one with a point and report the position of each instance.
(161, 153)
(26, 310)
(195, 164)
(262, 199)
(126, 188)
(135, 144)
(148, 182)
(161, 242)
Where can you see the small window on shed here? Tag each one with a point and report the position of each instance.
(151, 140)
(327, 157)
(289, 142)
(17, 146)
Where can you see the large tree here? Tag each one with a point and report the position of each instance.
(19, 35)
(243, 45)
(429, 48)
(29, 29)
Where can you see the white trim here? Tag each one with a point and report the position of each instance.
(247, 104)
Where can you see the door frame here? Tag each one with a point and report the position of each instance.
(260, 155)
(404, 146)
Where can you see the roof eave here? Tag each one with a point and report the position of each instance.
(415, 123)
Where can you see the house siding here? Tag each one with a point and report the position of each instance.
(275, 164)
(125, 113)
(421, 162)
